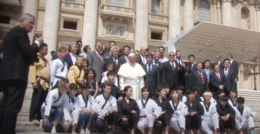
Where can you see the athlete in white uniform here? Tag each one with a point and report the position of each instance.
(52, 111)
(149, 111)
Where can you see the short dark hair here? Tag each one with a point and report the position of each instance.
(241, 100)
(177, 51)
(106, 83)
(190, 92)
(226, 60)
(84, 86)
(159, 89)
(206, 61)
(180, 88)
(85, 48)
(86, 61)
(233, 90)
(144, 89)
(42, 46)
(220, 92)
(161, 47)
(174, 90)
(79, 41)
(165, 85)
(111, 42)
(231, 55)
(62, 48)
(126, 47)
(73, 86)
(191, 56)
(110, 73)
(224, 98)
(91, 70)
(149, 55)
(199, 63)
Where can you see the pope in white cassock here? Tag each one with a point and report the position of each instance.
(132, 74)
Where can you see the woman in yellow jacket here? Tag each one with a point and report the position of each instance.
(77, 72)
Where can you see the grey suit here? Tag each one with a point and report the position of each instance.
(94, 63)
(208, 74)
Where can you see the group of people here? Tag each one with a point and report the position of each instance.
(135, 89)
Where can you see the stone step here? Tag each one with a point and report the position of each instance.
(23, 117)
(26, 126)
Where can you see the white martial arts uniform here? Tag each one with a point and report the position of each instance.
(81, 104)
(100, 101)
(53, 99)
(104, 78)
(147, 109)
(178, 120)
(231, 104)
(70, 113)
(209, 120)
(212, 100)
(242, 122)
(183, 98)
(58, 69)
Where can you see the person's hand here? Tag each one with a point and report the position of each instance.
(45, 120)
(70, 122)
(193, 113)
(71, 111)
(34, 85)
(236, 80)
(110, 111)
(120, 99)
(102, 74)
(223, 118)
(86, 111)
(133, 112)
(92, 111)
(158, 121)
(189, 114)
(163, 113)
(221, 87)
(248, 115)
(40, 39)
(213, 113)
(124, 119)
(175, 112)
(237, 116)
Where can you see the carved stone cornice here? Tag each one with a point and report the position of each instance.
(257, 5)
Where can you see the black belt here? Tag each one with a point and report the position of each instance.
(143, 116)
(43, 79)
(53, 107)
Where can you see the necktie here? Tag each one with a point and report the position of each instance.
(218, 76)
(149, 68)
(173, 67)
(115, 62)
(226, 72)
(201, 77)
(100, 59)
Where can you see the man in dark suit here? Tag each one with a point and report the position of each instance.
(169, 72)
(207, 69)
(219, 62)
(18, 55)
(126, 51)
(96, 61)
(230, 76)
(217, 80)
(107, 54)
(233, 65)
(72, 55)
(117, 62)
(191, 59)
(151, 79)
(199, 80)
(138, 58)
(180, 69)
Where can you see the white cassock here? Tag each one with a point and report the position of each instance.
(70, 113)
(178, 120)
(132, 75)
(147, 109)
(242, 121)
(209, 120)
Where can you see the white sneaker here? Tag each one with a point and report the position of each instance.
(87, 131)
(82, 131)
(53, 130)
(41, 123)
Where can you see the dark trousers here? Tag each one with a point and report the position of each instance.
(11, 104)
(38, 97)
(227, 124)
(165, 119)
(108, 120)
(200, 90)
(193, 122)
(132, 121)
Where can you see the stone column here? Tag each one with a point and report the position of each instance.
(31, 7)
(188, 15)
(141, 28)
(51, 24)
(90, 23)
(227, 12)
(174, 18)
(258, 16)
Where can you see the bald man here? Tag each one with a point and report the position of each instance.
(132, 74)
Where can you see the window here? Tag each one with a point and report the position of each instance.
(156, 6)
(156, 36)
(204, 11)
(5, 19)
(116, 2)
(70, 25)
(245, 18)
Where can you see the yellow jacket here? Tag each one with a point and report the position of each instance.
(75, 75)
(40, 71)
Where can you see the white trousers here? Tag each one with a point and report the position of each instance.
(178, 123)
(75, 118)
(248, 123)
(210, 122)
(146, 122)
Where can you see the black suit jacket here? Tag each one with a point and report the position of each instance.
(111, 60)
(195, 80)
(18, 55)
(162, 104)
(68, 60)
(230, 79)
(180, 73)
(220, 65)
(234, 66)
(122, 57)
(169, 75)
(124, 108)
(214, 82)
(151, 79)
(196, 107)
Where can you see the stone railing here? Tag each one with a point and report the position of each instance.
(106, 8)
(76, 5)
(158, 17)
(11, 2)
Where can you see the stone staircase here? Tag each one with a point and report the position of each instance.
(252, 101)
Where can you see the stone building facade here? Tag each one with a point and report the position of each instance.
(137, 23)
